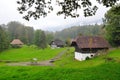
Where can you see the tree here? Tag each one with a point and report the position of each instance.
(29, 31)
(16, 30)
(20, 31)
(4, 42)
(68, 42)
(112, 25)
(49, 37)
(43, 40)
(40, 39)
(68, 7)
(37, 37)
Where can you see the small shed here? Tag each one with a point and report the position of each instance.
(16, 43)
(57, 43)
(87, 46)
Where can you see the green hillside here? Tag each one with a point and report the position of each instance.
(65, 68)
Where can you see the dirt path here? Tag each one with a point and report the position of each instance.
(58, 56)
(39, 63)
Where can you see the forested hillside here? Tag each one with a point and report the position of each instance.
(29, 36)
(87, 30)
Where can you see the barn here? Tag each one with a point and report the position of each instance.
(16, 43)
(57, 43)
(87, 46)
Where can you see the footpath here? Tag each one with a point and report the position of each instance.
(39, 63)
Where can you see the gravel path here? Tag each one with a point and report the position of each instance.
(41, 63)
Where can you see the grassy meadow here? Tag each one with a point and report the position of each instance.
(27, 53)
(65, 68)
(108, 71)
(67, 60)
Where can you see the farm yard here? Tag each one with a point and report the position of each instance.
(65, 67)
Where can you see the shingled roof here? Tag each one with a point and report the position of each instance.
(58, 42)
(91, 42)
(16, 42)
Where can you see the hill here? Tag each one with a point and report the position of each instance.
(87, 30)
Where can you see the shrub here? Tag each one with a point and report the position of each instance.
(87, 58)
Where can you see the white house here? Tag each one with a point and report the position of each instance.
(87, 46)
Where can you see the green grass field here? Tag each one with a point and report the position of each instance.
(68, 60)
(66, 68)
(26, 53)
(108, 71)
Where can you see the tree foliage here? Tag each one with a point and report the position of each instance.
(40, 39)
(29, 31)
(27, 34)
(113, 25)
(17, 30)
(4, 41)
(37, 8)
(49, 37)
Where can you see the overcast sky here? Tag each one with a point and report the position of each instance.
(8, 12)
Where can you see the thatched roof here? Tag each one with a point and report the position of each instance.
(90, 42)
(17, 42)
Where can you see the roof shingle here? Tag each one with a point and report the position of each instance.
(91, 42)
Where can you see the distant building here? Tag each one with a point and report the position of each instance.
(57, 43)
(87, 46)
(16, 43)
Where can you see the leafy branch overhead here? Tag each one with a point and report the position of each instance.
(38, 8)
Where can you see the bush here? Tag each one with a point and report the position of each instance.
(87, 58)
(33, 46)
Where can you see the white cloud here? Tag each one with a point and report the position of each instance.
(8, 12)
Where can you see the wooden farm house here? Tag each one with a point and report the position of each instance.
(16, 43)
(57, 43)
(87, 46)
